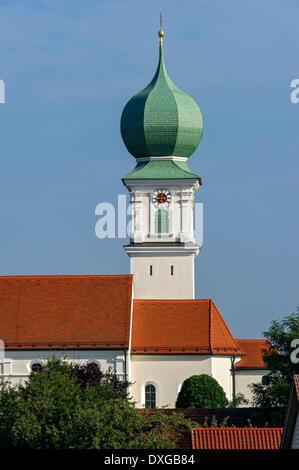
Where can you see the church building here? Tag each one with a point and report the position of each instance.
(146, 325)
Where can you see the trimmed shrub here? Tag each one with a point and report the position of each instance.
(201, 391)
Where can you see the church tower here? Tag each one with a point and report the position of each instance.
(161, 127)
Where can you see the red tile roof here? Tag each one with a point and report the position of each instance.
(180, 326)
(236, 438)
(296, 385)
(65, 311)
(253, 350)
(291, 415)
(70, 312)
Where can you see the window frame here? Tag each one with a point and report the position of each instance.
(161, 222)
(94, 361)
(32, 362)
(150, 384)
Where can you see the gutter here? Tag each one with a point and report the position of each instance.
(233, 371)
(128, 351)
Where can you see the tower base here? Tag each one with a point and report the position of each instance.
(163, 271)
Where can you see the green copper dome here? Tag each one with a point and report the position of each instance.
(161, 120)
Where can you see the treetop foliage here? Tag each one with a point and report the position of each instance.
(280, 335)
(278, 361)
(66, 406)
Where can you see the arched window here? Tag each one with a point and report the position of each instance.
(36, 367)
(150, 396)
(265, 380)
(94, 365)
(161, 221)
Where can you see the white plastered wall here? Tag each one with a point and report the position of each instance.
(153, 278)
(20, 361)
(181, 210)
(168, 372)
(221, 371)
(151, 252)
(244, 378)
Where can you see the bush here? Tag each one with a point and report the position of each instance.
(201, 391)
(66, 406)
(238, 400)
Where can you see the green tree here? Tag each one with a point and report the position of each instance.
(238, 400)
(277, 359)
(69, 406)
(201, 391)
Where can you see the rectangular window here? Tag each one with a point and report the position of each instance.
(151, 270)
(171, 270)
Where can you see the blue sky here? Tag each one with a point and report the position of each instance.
(70, 66)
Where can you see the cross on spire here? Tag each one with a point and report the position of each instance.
(161, 32)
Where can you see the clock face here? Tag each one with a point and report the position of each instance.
(161, 198)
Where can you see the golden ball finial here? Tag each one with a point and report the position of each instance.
(161, 34)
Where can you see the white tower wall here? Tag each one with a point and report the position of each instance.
(162, 263)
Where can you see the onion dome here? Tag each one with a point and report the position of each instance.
(161, 120)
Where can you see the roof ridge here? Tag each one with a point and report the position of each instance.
(225, 326)
(210, 325)
(249, 339)
(35, 276)
(172, 300)
(184, 171)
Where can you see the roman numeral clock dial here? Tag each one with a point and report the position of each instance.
(161, 198)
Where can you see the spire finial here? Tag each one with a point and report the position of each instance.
(161, 32)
